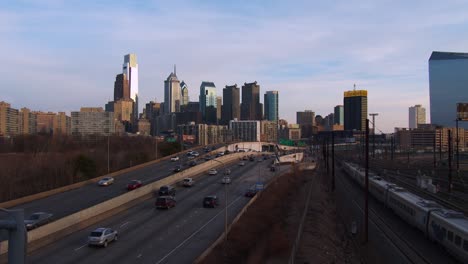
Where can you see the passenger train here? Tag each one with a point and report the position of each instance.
(446, 227)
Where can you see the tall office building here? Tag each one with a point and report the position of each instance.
(251, 108)
(417, 115)
(448, 82)
(355, 110)
(172, 93)
(121, 87)
(184, 100)
(307, 117)
(271, 105)
(219, 103)
(208, 102)
(338, 115)
(130, 69)
(231, 103)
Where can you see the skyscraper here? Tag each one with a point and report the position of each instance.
(339, 115)
(172, 98)
(130, 69)
(231, 103)
(251, 109)
(271, 105)
(184, 100)
(448, 82)
(208, 101)
(417, 115)
(219, 103)
(121, 88)
(355, 110)
(307, 117)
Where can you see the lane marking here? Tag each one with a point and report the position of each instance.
(197, 231)
(78, 248)
(139, 256)
(124, 224)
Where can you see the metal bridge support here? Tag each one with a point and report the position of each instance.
(17, 236)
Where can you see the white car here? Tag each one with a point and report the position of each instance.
(106, 181)
(176, 158)
(195, 154)
(226, 180)
(212, 172)
(221, 153)
(241, 163)
(188, 182)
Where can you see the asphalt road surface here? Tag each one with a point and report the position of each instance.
(177, 235)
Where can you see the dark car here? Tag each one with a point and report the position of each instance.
(177, 168)
(37, 219)
(208, 157)
(226, 152)
(167, 190)
(134, 185)
(193, 163)
(165, 202)
(210, 201)
(251, 192)
(252, 158)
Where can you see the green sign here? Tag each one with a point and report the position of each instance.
(171, 140)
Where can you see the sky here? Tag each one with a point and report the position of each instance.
(62, 55)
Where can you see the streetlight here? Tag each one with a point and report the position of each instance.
(373, 133)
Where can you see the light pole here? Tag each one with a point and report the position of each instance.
(373, 133)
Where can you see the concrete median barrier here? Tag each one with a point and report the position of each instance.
(48, 231)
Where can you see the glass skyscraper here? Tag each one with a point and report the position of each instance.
(448, 85)
(271, 105)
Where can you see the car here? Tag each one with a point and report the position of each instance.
(177, 168)
(272, 168)
(190, 157)
(195, 154)
(188, 182)
(189, 153)
(251, 158)
(227, 152)
(212, 172)
(221, 153)
(259, 159)
(167, 190)
(241, 163)
(210, 201)
(134, 185)
(102, 237)
(227, 172)
(251, 192)
(218, 155)
(37, 219)
(165, 202)
(226, 180)
(106, 181)
(192, 163)
(176, 158)
(208, 157)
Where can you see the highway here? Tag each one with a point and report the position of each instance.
(177, 235)
(66, 203)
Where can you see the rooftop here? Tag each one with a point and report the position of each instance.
(439, 55)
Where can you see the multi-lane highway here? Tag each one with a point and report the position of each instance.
(66, 203)
(177, 235)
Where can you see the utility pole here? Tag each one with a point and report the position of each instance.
(366, 190)
(450, 160)
(373, 133)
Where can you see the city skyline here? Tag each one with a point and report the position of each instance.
(324, 58)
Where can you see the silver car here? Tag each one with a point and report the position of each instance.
(37, 219)
(106, 181)
(102, 237)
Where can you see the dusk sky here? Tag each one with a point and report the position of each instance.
(61, 55)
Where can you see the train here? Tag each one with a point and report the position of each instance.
(448, 228)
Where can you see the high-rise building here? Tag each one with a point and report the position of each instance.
(448, 82)
(251, 108)
(44, 122)
(271, 105)
(130, 69)
(172, 93)
(245, 130)
(62, 124)
(152, 109)
(27, 121)
(231, 103)
(417, 115)
(8, 120)
(269, 131)
(307, 117)
(339, 115)
(355, 110)
(121, 87)
(184, 100)
(208, 102)
(92, 121)
(219, 103)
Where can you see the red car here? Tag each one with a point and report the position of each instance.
(133, 185)
(251, 193)
(165, 202)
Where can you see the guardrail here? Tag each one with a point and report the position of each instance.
(74, 220)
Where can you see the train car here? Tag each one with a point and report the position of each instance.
(450, 229)
(402, 203)
(378, 187)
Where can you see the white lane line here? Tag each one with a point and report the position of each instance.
(196, 232)
(139, 256)
(124, 224)
(78, 248)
